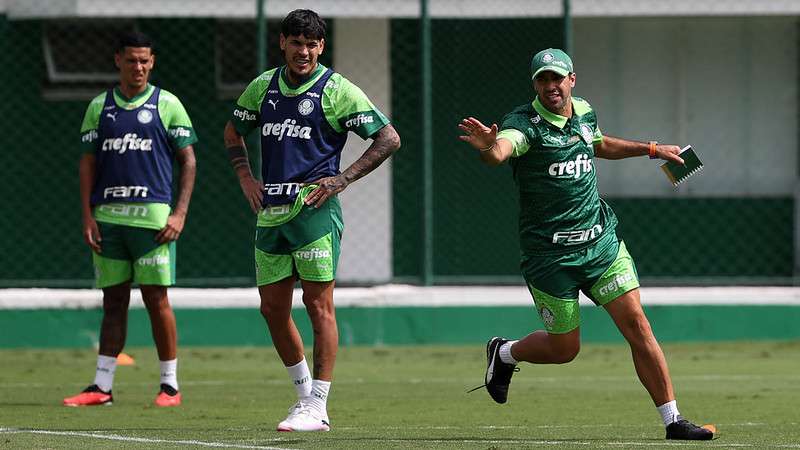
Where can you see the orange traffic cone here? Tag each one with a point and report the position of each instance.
(124, 359)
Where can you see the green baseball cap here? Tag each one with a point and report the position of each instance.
(552, 59)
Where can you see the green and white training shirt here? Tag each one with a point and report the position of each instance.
(552, 162)
(179, 134)
(345, 106)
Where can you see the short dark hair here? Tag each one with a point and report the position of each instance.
(303, 22)
(133, 39)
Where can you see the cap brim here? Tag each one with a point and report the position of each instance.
(559, 70)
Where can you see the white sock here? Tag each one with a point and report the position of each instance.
(169, 372)
(319, 396)
(669, 412)
(104, 374)
(505, 353)
(301, 378)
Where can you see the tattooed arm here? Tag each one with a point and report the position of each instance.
(237, 153)
(386, 142)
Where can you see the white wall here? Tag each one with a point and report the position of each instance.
(728, 86)
(361, 54)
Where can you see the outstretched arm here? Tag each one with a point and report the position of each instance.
(386, 142)
(615, 148)
(237, 153)
(493, 151)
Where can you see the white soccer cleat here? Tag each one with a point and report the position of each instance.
(304, 418)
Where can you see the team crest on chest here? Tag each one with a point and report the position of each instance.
(144, 116)
(305, 107)
(586, 132)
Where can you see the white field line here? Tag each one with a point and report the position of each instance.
(395, 296)
(594, 443)
(465, 380)
(116, 437)
(551, 442)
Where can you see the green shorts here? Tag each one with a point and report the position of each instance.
(603, 272)
(132, 254)
(298, 240)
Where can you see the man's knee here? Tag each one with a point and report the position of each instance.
(155, 298)
(637, 327)
(566, 354)
(320, 310)
(565, 347)
(116, 300)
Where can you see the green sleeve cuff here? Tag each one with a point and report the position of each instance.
(518, 141)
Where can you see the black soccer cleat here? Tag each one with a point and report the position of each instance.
(498, 373)
(685, 430)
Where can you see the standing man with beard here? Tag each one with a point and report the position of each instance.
(303, 112)
(131, 135)
(567, 234)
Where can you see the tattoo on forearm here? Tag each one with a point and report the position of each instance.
(238, 157)
(386, 142)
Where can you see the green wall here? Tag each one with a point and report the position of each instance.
(40, 230)
(400, 325)
(480, 69)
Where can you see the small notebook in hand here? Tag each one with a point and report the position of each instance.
(678, 173)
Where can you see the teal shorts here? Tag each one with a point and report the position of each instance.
(132, 254)
(298, 240)
(603, 271)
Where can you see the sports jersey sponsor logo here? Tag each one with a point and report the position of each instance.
(616, 283)
(155, 260)
(305, 107)
(536, 119)
(587, 133)
(571, 169)
(109, 108)
(125, 210)
(274, 104)
(288, 128)
(312, 254)
(125, 191)
(112, 116)
(282, 188)
(359, 120)
(150, 106)
(577, 236)
(243, 114)
(180, 132)
(272, 91)
(312, 94)
(131, 141)
(144, 116)
(89, 136)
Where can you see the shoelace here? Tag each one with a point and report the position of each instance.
(515, 369)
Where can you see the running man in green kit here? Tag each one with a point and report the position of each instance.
(567, 234)
(130, 136)
(303, 112)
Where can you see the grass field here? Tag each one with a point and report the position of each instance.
(406, 397)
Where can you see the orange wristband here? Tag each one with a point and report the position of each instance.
(652, 151)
